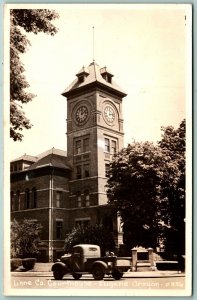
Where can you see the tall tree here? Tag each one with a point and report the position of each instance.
(21, 21)
(146, 185)
(173, 146)
(132, 189)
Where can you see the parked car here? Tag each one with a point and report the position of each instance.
(86, 259)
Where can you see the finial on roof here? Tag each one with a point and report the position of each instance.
(93, 41)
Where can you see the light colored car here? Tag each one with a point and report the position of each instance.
(86, 259)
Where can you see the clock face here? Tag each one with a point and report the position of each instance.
(81, 114)
(109, 114)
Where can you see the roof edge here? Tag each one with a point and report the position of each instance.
(92, 84)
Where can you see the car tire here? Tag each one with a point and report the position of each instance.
(76, 276)
(98, 273)
(58, 274)
(117, 274)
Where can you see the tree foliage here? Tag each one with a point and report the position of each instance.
(146, 185)
(173, 145)
(21, 21)
(132, 189)
(25, 238)
(97, 235)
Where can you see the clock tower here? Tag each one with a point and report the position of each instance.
(94, 135)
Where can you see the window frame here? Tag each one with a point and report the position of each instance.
(78, 147)
(12, 201)
(82, 222)
(59, 229)
(87, 198)
(34, 197)
(17, 203)
(79, 199)
(78, 173)
(58, 199)
(106, 169)
(107, 145)
(27, 199)
(113, 146)
(86, 146)
(86, 170)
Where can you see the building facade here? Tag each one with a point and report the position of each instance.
(63, 190)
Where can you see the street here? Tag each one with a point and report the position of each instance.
(87, 281)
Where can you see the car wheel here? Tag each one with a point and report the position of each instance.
(58, 274)
(76, 276)
(117, 274)
(98, 273)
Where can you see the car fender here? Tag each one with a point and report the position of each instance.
(100, 263)
(59, 265)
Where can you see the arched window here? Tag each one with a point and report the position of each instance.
(87, 198)
(34, 197)
(12, 201)
(17, 207)
(27, 199)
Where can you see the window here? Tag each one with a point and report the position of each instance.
(59, 229)
(86, 170)
(17, 200)
(78, 199)
(87, 198)
(107, 148)
(78, 172)
(113, 147)
(15, 167)
(82, 223)
(78, 147)
(86, 145)
(58, 199)
(106, 170)
(81, 78)
(27, 199)
(12, 201)
(34, 198)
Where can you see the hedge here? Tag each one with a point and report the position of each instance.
(28, 263)
(15, 263)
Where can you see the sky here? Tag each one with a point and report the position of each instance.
(145, 47)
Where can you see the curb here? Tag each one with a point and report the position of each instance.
(152, 274)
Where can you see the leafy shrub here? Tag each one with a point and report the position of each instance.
(97, 234)
(28, 263)
(15, 263)
(25, 238)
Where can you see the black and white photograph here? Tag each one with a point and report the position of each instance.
(98, 149)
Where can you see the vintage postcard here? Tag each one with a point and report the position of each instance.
(98, 149)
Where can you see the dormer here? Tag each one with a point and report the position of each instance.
(82, 74)
(106, 74)
(22, 163)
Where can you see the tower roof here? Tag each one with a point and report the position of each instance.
(93, 74)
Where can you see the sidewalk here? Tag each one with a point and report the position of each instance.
(44, 270)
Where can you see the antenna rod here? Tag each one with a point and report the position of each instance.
(93, 41)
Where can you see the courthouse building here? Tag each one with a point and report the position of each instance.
(66, 189)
